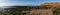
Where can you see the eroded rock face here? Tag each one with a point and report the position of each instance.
(46, 9)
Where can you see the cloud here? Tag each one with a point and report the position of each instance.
(6, 3)
(3, 2)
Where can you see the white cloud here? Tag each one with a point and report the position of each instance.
(2, 2)
(6, 4)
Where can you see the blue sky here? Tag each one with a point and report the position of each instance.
(24, 2)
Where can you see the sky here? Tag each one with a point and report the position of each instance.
(24, 2)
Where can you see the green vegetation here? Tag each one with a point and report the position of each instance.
(17, 11)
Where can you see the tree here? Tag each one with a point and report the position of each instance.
(17, 10)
